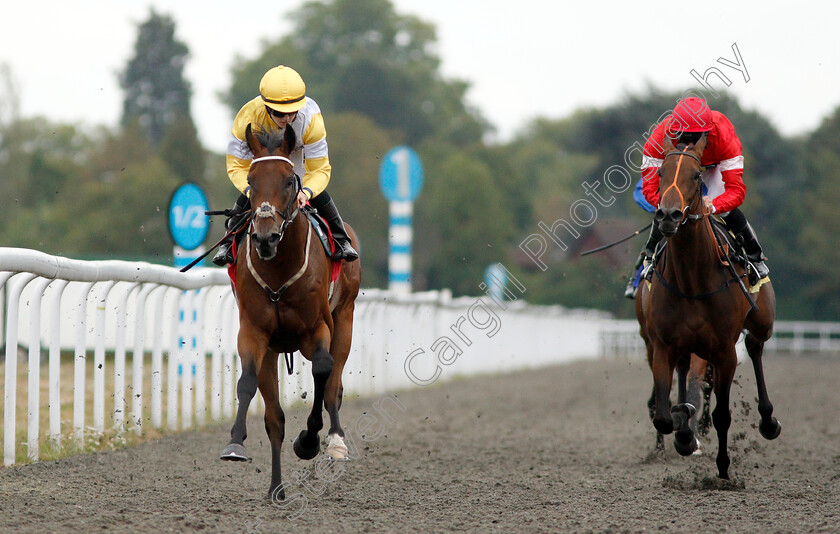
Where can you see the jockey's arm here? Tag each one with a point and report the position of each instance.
(316, 160)
(237, 169)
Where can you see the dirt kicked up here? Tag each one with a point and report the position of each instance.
(566, 448)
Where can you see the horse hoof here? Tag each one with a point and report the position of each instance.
(234, 452)
(772, 430)
(698, 450)
(277, 494)
(306, 453)
(685, 447)
(686, 409)
(336, 449)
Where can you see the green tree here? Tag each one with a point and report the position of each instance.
(182, 151)
(156, 92)
(41, 163)
(118, 208)
(357, 146)
(361, 56)
(462, 224)
(817, 280)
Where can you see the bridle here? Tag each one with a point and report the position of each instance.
(267, 210)
(696, 217)
(683, 208)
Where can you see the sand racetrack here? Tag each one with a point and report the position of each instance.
(566, 448)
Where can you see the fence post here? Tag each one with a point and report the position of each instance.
(10, 398)
(34, 371)
(55, 362)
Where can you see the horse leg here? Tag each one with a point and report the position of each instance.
(275, 421)
(660, 440)
(340, 349)
(769, 426)
(663, 375)
(695, 396)
(684, 440)
(246, 388)
(307, 444)
(721, 417)
(705, 420)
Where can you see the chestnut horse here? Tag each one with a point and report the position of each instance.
(695, 305)
(283, 282)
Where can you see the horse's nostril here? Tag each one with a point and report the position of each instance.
(660, 214)
(676, 215)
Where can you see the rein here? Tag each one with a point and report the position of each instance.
(693, 217)
(274, 296)
(685, 210)
(267, 210)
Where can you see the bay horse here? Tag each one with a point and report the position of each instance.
(695, 305)
(282, 286)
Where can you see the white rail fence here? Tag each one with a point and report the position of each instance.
(620, 338)
(160, 345)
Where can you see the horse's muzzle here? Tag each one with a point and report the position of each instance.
(266, 244)
(668, 220)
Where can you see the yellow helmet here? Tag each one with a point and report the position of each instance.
(282, 89)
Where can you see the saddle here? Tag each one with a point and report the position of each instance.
(322, 230)
(732, 246)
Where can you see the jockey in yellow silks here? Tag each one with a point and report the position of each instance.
(283, 103)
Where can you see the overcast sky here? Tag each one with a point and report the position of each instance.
(522, 59)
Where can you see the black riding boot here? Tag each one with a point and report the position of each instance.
(326, 208)
(753, 250)
(224, 255)
(650, 247)
(737, 222)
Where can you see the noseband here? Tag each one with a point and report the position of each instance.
(267, 210)
(683, 208)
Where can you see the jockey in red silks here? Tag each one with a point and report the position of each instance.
(723, 184)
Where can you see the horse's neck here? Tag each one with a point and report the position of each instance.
(291, 252)
(691, 257)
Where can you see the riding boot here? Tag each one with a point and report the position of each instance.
(326, 208)
(647, 254)
(753, 250)
(632, 285)
(224, 255)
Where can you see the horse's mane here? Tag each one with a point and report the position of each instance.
(274, 139)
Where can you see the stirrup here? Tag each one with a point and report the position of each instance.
(630, 290)
(761, 269)
(224, 256)
(647, 272)
(345, 251)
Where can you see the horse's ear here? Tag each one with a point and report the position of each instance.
(667, 145)
(251, 139)
(289, 139)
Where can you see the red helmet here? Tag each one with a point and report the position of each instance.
(691, 114)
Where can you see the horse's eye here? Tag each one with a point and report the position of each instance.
(659, 172)
(697, 175)
(290, 182)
